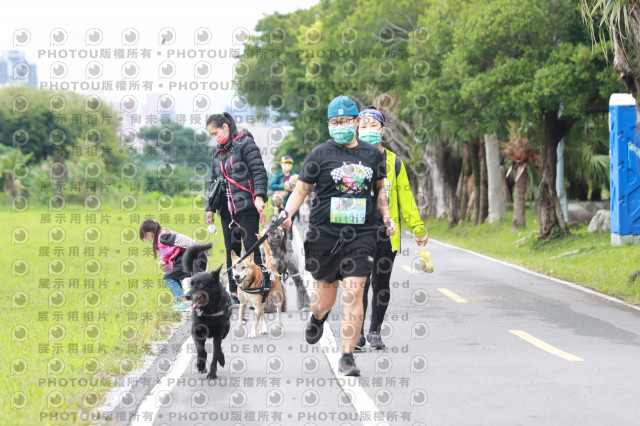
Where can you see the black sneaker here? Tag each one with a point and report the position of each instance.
(347, 366)
(314, 329)
(375, 341)
(360, 344)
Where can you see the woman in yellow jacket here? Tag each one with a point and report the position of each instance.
(371, 130)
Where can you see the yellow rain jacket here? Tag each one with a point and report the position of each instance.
(401, 199)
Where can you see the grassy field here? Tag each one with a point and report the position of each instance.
(583, 258)
(83, 301)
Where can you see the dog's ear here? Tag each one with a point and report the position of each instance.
(250, 257)
(233, 254)
(216, 274)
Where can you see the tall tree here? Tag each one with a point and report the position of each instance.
(48, 123)
(529, 59)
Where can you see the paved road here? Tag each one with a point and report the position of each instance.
(477, 342)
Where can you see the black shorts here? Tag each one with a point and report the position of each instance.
(352, 259)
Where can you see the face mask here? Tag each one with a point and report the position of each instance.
(342, 134)
(222, 139)
(372, 136)
(287, 167)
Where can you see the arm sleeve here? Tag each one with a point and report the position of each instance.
(380, 172)
(252, 156)
(168, 239)
(310, 168)
(183, 241)
(273, 183)
(410, 211)
(213, 169)
(382, 166)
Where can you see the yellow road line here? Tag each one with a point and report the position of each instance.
(545, 346)
(452, 295)
(410, 270)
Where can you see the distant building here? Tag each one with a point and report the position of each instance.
(14, 68)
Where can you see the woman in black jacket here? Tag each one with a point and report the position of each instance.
(238, 162)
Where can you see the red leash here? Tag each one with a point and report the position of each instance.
(250, 191)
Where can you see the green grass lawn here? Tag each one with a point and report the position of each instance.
(83, 301)
(584, 258)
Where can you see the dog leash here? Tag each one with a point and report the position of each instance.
(271, 229)
(288, 276)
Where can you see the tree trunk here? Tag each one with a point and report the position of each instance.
(484, 184)
(621, 65)
(443, 170)
(519, 191)
(475, 167)
(596, 193)
(497, 210)
(506, 192)
(550, 211)
(463, 191)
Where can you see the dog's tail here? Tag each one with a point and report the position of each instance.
(192, 261)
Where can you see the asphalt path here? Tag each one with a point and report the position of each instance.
(476, 342)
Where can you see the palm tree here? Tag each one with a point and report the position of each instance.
(618, 21)
(521, 153)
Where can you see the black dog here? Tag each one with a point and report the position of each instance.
(285, 261)
(211, 307)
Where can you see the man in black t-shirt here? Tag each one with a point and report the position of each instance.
(340, 244)
(343, 175)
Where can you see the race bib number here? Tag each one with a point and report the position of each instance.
(350, 211)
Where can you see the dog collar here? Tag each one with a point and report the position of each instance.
(200, 313)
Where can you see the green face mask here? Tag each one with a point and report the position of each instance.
(372, 136)
(342, 134)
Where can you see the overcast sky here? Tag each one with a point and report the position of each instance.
(55, 29)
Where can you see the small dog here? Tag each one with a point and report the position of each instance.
(211, 309)
(248, 276)
(285, 260)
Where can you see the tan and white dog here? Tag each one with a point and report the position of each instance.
(248, 276)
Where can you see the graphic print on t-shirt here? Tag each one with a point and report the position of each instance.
(350, 177)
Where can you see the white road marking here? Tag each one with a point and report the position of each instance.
(351, 385)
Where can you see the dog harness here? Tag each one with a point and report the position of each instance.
(259, 290)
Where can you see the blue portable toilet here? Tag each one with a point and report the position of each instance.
(624, 167)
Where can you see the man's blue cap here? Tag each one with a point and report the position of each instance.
(342, 106)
